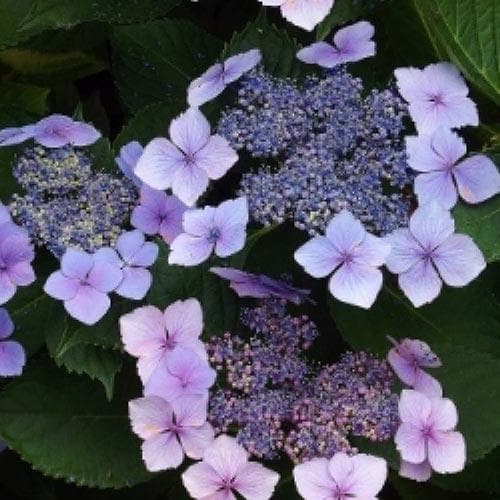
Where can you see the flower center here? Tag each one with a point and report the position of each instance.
(213, 235)
(169, 343)
(436, 99)
(427, 431)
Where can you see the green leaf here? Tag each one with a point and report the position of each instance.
(64, 427)
(30, 98)
(84, 358)
(482, 223)
(155, 62)
(466, 31)
(277, 47)
(151, 121)
(220, 307)
(51, 66)
(462, 327)
(22, 19)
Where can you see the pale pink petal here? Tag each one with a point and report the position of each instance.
(421, 352)
(404, 368)
(256, 482)
(21, 274)
(147, 365)
(418, 472)
(189, 250)
(105, 276)
(477, 179)
(320, 53)
(189, 183)
(184, 320)
(458, 260)
(431, 224)
(368, 476)
(207, 86)
(195, 440)
(373, 251)
(447, 452)
(162, 452)
(448, 146)
(7, 288)
(353, 41)
(82, 134)
(158, 163)
(190, 411)
(216, 157)
(15, 135)
(231, 240)
(12, 358)
(421, 283)
(313, 480)
(129, 243)
(143, 331)
(411, 83)
(444, 416)
(341, 467)
(345, 232)
(410, 443)
(76, 263)
(150, 416)
(414, 407)
(226, 456)
(135, 283)
(318, 257)
(235, 66)
(201, 480)
(445, 76)
(199, 222)
(436, 186)
(356, 284)
(60, 287)
(190, 131)
(88, 305)
(6, 324)
(426, 384)
(422, 157)
(306, 13)
(232, 213)
(405, 251)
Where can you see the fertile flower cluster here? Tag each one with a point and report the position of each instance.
(339, 149)
(66, 204)
(16, 255)
(280, 403)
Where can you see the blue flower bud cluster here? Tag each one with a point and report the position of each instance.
(277, 402)
(66, 204)
(326, 145)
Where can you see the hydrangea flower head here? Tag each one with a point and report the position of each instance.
(443, 177)
(428, 252)
(359, 476)
(16, 255)
(133, 255)
(426, 437)
(221, 229)
(158, 213)
(181, 373)
(350, 44)
(225, 470)
(170, 430)
(213, 82)
(259, 286)
(354, 255)
(407, 358)
(127, 160)
(54, 131)
(303, 13)
(83, 283)
(151, 335)
(12, 356)
(187, 161)
(437, 97)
